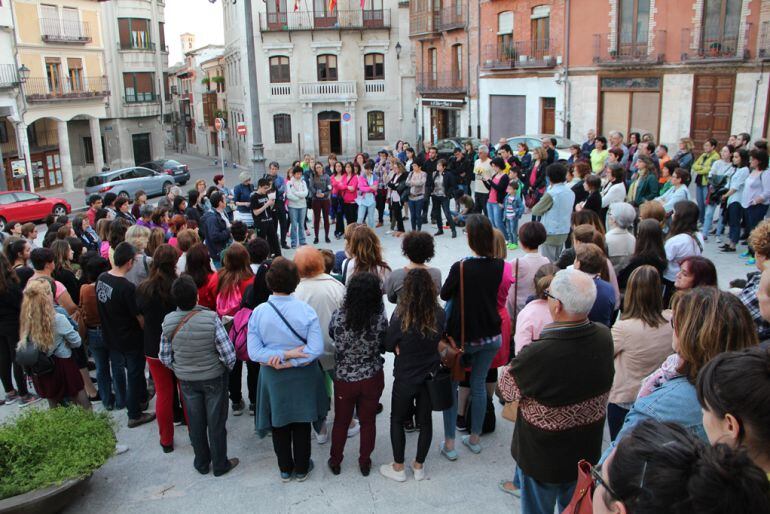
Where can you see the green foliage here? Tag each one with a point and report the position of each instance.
(218, 79)
(205, 80)
(40, 448)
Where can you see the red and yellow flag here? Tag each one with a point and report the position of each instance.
(332, 5)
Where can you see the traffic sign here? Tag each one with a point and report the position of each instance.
(219, 124)
(346, 117)
(241, 129)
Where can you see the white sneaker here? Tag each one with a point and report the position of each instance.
(387, 471)
(419, 474)
(120, 449)
(354, 430)
(322, 437)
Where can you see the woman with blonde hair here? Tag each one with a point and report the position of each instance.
(684, 156)
(139, 237)
(642, 339)
(54, 336)
(365, 253)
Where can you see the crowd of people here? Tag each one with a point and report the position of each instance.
(608, 316)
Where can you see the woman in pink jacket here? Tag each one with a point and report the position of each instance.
(345, 187)
(367, 191)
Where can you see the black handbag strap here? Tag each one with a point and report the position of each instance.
(286, 322)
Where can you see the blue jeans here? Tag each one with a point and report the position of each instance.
(541, 497)
(754, 214)
(495, 213)
(710, 209)
(110, 376)
(136, 386)
(480, 358)
(206, 404)
(366, 214)
(297, 229)
(415, 213)
(734, 216)
(700, 194)
(512, 230)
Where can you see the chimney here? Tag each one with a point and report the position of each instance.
(188, 42)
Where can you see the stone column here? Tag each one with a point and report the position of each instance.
(309, 130)
(96, 144)
(22, 144)
(64, 156)
(350, 131)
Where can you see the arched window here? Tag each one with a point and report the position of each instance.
(327, 67)
(282, 128)
(374, 67)
(375, 125)
(279, 69)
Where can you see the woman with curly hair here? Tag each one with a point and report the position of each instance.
(52, 334)
(365, 253)
(413, 334)
(358, 330)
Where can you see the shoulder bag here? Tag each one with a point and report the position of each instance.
(451, 355)
(582, 502)
(34, 362)
(181, 324)
(286, 322)
(511, 409)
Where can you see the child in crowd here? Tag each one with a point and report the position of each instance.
(464, 205)
(513, 208)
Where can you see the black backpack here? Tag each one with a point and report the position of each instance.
(34, 362)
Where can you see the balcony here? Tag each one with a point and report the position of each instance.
(318, 20)
(451, 18)
(141, 46)
(626, 53)
(332, 91)
(518, 55)
(55, 30)
(281, 89)
(724, 48)
(442, 83)
(763, 49)
(424, 24)
(374, 86)
(37, 89)
(9, 77)
(138, 98)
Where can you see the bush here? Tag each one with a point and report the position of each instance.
(41, 448)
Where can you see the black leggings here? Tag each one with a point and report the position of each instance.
(7, 361)
(235, 381)
(397, 215)
(401, 404)
(351, 212)
(382, 195)
(292, 447)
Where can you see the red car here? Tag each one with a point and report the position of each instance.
(23, 206)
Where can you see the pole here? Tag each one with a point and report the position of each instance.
(222, 150)
(257, 148)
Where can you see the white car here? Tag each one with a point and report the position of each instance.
(534, 141)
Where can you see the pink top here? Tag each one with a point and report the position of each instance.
(503, 355)
(363, 185)
(530, 322)
(173, 242)
(492, 191)
(528, 266)
(505, 285)
(340, 187)
(104, 250)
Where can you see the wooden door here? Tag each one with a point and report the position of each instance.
(324, 137)
(548, 115)
(712, 108)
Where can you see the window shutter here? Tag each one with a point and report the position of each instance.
(505, 22)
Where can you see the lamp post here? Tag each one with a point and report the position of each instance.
(24, 73)
(257, 148)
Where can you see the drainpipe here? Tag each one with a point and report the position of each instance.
(478, 72)
(756, 94)
(567, 113)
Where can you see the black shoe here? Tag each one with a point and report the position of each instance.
(728, 249)
(315, 241)
(379, 408)
(167, 449)
(328, 240)
(231, 464)
(439, 233)
(454, 234)
(338, 236)
(409, 427)
(145, 417)
(285, 246)
(461, 424)
(365, 469)
(204, 471)
(334, 467)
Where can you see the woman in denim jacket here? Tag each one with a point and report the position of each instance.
(706, 322)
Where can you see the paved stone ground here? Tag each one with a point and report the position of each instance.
(147, 480)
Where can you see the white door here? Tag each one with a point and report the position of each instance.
(70, 20)
(49, 19)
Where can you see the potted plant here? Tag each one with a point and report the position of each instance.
(48, 454)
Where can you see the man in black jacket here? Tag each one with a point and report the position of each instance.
(459, 166)
(444, 186)
(429, 166)
(217, 228)
(561, 382)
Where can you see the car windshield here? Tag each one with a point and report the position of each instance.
(171, 163)
(96, 180)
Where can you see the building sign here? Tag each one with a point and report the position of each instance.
(346, 117)
(19, 168)
(443, 104)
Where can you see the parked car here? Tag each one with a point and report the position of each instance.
(446, 147)
(23, 206)
(128, 181)
(533, 141)
(180, 172)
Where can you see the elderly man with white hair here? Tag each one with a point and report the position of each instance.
(616, 141)
(561, 383)
(482, 170)
(620, 241)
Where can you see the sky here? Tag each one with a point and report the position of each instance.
(199, 17)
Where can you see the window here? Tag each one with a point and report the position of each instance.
(139, 87)
(433, 63)
(541, 29)
(165, 85)
(279, 70)
(26, 197)
(721, 22)
(327, 68)
(504, 31)
(3, 132)
(53, 74)
(633, 25)
(374, 67)
(282, 128)
(457, 64)
(375, 125)
(162, 35)
(134, 33)
(88, 150)
(75, 67)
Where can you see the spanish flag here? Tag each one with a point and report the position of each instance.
(332, 5)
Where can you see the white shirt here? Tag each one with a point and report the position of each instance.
(613, 194)
(483, 171)
(679, 247)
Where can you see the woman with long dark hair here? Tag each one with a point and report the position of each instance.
(648, 250)
(358, 331)
(234, 277)
(756, 194)
(154, 301)
(413, 334)
(86, 233)
(732, 199)
(684, 240)
(203, 274)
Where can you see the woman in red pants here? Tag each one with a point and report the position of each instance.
(153, 297)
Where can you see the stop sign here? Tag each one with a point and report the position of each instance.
(219, 124)
(241, 129)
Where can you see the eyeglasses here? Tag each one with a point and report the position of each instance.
(547, 292)
(596, 476)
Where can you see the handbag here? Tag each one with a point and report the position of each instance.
(510, 411)
(34, 362)
(581, 502)
(451, 354)
(440, 390)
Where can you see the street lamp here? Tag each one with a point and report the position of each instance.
(398, 50)
(23, 73)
